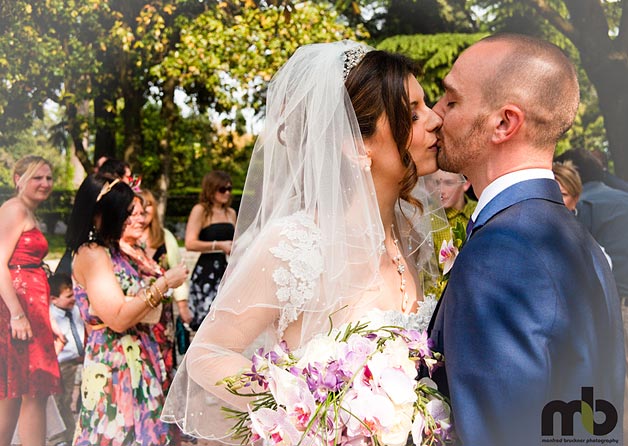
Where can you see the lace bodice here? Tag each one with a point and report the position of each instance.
(413, 321)
(300, 264)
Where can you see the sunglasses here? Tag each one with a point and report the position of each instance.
(225, 189)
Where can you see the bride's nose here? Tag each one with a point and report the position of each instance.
(435, 121)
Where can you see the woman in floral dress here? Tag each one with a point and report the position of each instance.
(123, 369)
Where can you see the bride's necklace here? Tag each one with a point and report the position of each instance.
(401, 269)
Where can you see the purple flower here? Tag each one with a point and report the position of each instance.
(322, 380)
(419, 341)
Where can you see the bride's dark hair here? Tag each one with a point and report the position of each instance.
(376, 86)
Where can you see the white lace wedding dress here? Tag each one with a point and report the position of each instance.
(279, 292)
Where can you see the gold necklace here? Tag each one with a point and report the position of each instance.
(401, 269)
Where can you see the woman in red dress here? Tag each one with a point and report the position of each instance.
(29, 371)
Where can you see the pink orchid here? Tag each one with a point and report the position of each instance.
(371, 413)
(447, 255)
(293, 393)
(274, 427)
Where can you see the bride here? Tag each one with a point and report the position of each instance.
(327, 229)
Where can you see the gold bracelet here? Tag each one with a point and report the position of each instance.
(18, 317)
(144, 297)
(161, 294)
(154, 300)
(149, 300)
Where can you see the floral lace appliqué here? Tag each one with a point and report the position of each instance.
(302, 264)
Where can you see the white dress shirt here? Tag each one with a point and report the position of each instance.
(505, 181)
(70, 350)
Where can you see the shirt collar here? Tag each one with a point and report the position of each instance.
(505, 181)
(57, 310)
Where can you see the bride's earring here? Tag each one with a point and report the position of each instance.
(367, 161)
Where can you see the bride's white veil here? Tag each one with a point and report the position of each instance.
(308, 162)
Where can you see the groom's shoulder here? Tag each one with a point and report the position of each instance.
(532, 223)
(534, 215)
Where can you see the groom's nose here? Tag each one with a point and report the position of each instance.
(439, 107)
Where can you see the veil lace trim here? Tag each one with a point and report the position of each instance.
(299, 249)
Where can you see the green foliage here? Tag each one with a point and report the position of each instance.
(435, 53)
(198, 146)
(34, 141)
(224, 60)
(46, 52)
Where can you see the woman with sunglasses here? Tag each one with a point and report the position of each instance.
(209, 230)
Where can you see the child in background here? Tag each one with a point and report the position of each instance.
(70, 350)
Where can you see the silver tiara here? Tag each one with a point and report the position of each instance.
(353, 56)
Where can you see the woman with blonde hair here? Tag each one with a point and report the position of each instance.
(161, 246)
(569, 182)
(29, 371)
(209, 230)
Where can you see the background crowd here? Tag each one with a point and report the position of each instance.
(104, 320)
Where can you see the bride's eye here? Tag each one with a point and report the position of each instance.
(415, 116)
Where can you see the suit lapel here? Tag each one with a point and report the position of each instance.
(542, 188)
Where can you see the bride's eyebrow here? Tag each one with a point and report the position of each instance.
(416, 103)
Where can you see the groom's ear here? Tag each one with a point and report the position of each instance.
(507, 123)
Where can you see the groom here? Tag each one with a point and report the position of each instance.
(530, 323)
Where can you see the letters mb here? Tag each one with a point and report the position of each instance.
(586, 408)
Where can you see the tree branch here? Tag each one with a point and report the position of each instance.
(589, 17)
(555, 19)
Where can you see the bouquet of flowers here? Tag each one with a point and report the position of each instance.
(353, 386)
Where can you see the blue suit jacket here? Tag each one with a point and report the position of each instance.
(530, 315)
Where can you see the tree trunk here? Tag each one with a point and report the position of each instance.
(169, 114)
(74, 129)
(105, 139)
(606, 64)
(132, 122)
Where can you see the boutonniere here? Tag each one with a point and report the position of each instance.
(450, 248)
(447, 255)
